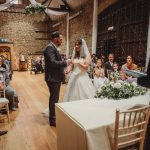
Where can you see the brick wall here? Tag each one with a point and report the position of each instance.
(20, 29)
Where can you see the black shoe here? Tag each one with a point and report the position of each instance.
(3, 111)
(3, 132)
(13, 109)
(16, 106)
(53, 123)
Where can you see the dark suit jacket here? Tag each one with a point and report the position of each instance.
(108, 67)
(54, 66)
(145, 81)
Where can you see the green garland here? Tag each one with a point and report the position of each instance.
(35, 9)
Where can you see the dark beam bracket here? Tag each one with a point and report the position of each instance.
(39, 31)
(65, 8)
(42, 38)
(67, 5)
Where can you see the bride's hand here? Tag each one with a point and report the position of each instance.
(68, 69)
(71, 62)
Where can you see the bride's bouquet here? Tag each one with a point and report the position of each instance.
(120, 90)
(68, 72)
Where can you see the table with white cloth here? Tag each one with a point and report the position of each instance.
(81, 125)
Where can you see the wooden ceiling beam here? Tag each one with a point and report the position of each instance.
(12, 12)
(59, 9)
(42, 38)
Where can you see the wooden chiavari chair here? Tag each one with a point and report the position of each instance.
(130, 128)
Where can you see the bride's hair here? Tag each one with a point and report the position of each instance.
(77, 53)
(84, 52)
(79, 42)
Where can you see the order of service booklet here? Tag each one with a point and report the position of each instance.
(135, 73)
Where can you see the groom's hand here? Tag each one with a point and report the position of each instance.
(68, 61)
(71, 62)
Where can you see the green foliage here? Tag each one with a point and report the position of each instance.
(122, 90)
(35, 9)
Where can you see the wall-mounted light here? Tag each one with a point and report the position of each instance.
(110, 28)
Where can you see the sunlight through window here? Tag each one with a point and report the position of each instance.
(16, 2)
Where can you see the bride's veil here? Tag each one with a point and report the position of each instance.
(84, 53)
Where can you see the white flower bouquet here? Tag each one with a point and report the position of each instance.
(120, 90)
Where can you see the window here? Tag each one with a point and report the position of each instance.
(16, 1)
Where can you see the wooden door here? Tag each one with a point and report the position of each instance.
(125, 22)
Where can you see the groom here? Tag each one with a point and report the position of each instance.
(54, 72)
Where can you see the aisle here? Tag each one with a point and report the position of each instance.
(28, 129)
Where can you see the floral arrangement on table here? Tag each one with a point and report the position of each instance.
(36, 11)
(120, 90)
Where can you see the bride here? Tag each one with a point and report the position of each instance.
(80, 85)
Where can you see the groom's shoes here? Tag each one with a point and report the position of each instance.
(53, 123)
(2, 132)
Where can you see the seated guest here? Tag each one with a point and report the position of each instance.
(103, 59)
(8, 63)
(98, 66)
(145, 81)
(109, 64)
(94, 58)
(129, 65)
(11, 94)
(115, 74)
(2, 64)
(1, 81)
(99, 78)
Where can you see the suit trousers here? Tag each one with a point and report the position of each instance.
(54, 89)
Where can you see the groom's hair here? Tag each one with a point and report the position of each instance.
(55, 34)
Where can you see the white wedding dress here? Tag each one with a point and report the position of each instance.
(80, 85)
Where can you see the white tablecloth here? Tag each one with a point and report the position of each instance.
(81, 125)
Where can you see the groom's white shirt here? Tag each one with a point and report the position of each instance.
(53, 45)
